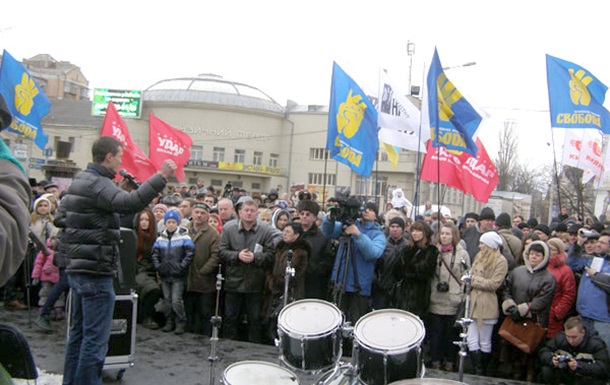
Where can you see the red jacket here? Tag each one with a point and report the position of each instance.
(565, 293)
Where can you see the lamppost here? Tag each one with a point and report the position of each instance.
(459, 66)
(410, 52)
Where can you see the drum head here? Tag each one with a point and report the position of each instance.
(258, 373)
(309, 317)
(427, 381)
(389, 330)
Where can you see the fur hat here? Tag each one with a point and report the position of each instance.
(503, 221)
(309, 205)
(472, 215)
(172, 214)
(487, 213)
(491, 239)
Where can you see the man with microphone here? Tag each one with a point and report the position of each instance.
(89, 216)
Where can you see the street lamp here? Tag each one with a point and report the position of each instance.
(461, 65)
(410, 52)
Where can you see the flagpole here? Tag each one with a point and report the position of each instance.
(326, 155)
(376, 189)
(418, 159)
(556, 175)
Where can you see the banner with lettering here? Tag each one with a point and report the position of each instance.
(167, 142)
(476, 175)
(134, 160)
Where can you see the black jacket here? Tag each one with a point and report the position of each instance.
(92, 206)
(592, 346)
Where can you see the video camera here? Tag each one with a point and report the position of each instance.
(348, 210)
(227, 190)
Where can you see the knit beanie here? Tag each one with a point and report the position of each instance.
(160, 206)
(487, 213)
(491, 239)
(373, 207)
(173, 214)
(471, 215)
(398, 221)
(503, 221)
(544, 228)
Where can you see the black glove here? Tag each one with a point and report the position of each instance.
(513, 313)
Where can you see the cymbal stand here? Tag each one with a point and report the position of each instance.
(464, 323)
(289, 273)
(216, 321)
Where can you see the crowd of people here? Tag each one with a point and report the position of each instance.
(188, 238)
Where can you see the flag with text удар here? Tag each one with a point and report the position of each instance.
(167, 142)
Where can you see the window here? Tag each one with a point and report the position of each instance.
(256, 186)
(240, 156)
(219, 154)
(318, 153)
(258, 158)
(196, 152)
(273, 160)
(318, 178)
(71, 140)
(382, 156)
(366, 186)
(216, 182)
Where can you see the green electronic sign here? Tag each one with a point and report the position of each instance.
(127, 103)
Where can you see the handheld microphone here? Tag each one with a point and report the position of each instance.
(289, 256)
(128, 176)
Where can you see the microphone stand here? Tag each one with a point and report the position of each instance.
(216, 321)
(464, 322)
(289, 273)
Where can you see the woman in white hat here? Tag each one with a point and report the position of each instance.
(488, 272)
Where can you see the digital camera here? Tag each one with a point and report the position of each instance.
(442, 287)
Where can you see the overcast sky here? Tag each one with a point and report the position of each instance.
(286, 48)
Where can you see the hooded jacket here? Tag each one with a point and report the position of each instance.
(531, 289)
(565, 293)
(172, 254)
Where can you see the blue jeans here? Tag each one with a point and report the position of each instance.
(92, 308)
(174, 300)
(236, 304)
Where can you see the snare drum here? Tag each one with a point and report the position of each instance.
(258, 373)
(310, 335)
(388, 346)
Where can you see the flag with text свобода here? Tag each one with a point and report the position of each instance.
(576, 97)
(453, 120)
(26, 101)
(352, 124)
(167, 142)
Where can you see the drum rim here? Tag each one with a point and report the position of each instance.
(258, 362)
(322, 333)
(392, 351)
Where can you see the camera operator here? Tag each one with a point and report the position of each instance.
(361, 244)
(574, 356)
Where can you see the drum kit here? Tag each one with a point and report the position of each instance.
(386, 348)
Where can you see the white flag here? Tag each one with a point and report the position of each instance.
(398, 117)
(590, 159)
(571, 147)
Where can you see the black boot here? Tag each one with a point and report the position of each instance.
(476, 360)
(485, 359)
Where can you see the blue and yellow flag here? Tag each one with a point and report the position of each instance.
(576, 97)
(453, 120)
(352, 124)
(26, 101)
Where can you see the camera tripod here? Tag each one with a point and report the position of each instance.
(344, 255)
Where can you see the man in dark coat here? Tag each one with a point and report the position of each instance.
(320, 263)
(574, 356)
(473, 234)
(91, 240)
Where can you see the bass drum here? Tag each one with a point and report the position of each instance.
(310, 335)
(258, 373)
(341, 375)
(388, 346)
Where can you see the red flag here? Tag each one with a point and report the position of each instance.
(134, 160)
(167, 142)
(475, 175)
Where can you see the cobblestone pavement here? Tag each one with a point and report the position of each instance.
(165, 358)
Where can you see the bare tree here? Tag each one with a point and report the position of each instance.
(576, 197)
(506, 161)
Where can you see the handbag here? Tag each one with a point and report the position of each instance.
(526, 334)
